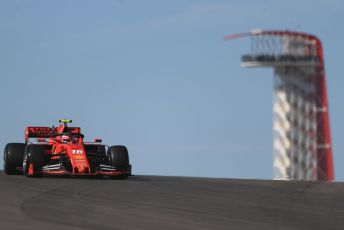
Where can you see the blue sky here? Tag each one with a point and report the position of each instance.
(158, 77)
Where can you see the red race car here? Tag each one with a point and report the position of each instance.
(62, 151)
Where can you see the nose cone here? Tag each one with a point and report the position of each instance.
(79, 160)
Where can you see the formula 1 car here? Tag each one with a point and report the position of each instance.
(62, 151)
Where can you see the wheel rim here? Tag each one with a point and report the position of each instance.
(25, 170)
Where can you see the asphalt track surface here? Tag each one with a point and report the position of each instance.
(152, 202)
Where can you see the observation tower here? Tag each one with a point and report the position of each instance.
(301, 130)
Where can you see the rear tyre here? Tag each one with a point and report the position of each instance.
(13, 158)
(119, 158)
(35, 158)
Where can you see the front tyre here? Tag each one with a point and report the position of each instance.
(34, 160)
(119, 158)
(13, 158)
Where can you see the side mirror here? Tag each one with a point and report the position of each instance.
(97, 140)
(41, 140)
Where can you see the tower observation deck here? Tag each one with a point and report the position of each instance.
(301, 131)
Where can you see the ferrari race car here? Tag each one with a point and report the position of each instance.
(62, 151)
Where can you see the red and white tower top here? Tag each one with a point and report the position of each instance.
(302, 142)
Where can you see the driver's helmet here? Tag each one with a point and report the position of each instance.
(65, 138)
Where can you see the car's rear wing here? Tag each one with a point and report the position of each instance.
(44, 132)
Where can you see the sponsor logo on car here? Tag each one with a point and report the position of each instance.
(77, 151)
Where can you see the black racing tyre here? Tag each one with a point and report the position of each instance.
(119, 157)
(13, 158)
(35, 155)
